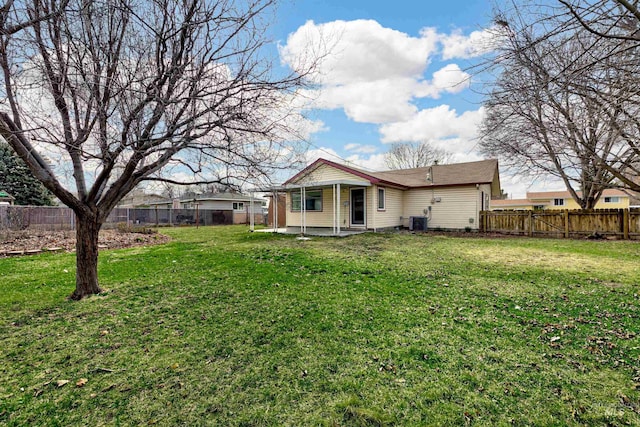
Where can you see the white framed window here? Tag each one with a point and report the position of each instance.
(382, 199)
(558, 202)
(238, 206)
(612, 199)
(312, 201)
(538, 207)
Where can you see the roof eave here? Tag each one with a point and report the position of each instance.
(463, 184)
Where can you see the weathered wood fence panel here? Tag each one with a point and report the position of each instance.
(634, 222)
(619, 223)
(548, 223)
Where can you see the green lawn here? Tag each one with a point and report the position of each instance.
(223, 327)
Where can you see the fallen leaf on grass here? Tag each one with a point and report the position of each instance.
(81, 382)
(61, 383)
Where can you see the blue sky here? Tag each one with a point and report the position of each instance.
(395, 72)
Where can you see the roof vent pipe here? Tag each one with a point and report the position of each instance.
(430, 175)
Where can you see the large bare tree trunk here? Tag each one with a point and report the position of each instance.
(87, 230)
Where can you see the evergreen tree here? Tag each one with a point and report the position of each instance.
(17, 180)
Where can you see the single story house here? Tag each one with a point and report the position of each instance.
(237, 203)
(330, 197)
(139, 199)
(610, 199)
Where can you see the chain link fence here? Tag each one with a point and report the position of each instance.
(54, 218)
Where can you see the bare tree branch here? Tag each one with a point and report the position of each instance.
(410, 155)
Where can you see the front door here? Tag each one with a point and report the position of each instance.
(358, 213)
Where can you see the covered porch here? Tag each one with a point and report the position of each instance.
(323, 208)
(315, 232)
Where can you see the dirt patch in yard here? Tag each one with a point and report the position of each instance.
(26, 242)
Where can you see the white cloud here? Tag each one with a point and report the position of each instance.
(324, 153)
(458, 45)
(376, 75)
(371, 72)
(450, 79)
(374, 162)
(359, 148)
(359, 51)
(370, 102)
(434, 123)
(517, 186)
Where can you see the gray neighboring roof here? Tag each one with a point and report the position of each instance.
(220, 196)
(224, 197)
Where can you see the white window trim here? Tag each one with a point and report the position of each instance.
(384, 199)
(558, 202)
(306, 194)
(236, 206)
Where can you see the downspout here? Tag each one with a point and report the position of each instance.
(476, 213)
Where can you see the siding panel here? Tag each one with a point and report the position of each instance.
(313, 219)
(456, 207)
(327, 173)
(394, 209)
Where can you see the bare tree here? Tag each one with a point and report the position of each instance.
(555, 110)
(618, 21)
(114, 92)
(415, 155)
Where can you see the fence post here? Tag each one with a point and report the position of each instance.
(566, 223)
(625, 224)
(530, 215)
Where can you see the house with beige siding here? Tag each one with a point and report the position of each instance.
(549, 200)
(332, 197)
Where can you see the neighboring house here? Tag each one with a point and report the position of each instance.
(238, 204)
(338, 197)
(610, 199)
(6, 198)
(138, 199)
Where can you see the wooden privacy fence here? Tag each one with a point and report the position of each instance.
(620, 223)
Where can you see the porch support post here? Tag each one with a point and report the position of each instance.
(303, 208)
(339, 218)
(252, 221)
(333, 194)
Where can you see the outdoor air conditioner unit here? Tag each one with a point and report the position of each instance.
(418, 223)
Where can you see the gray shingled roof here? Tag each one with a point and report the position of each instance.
(479, 172)
(220, 196)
